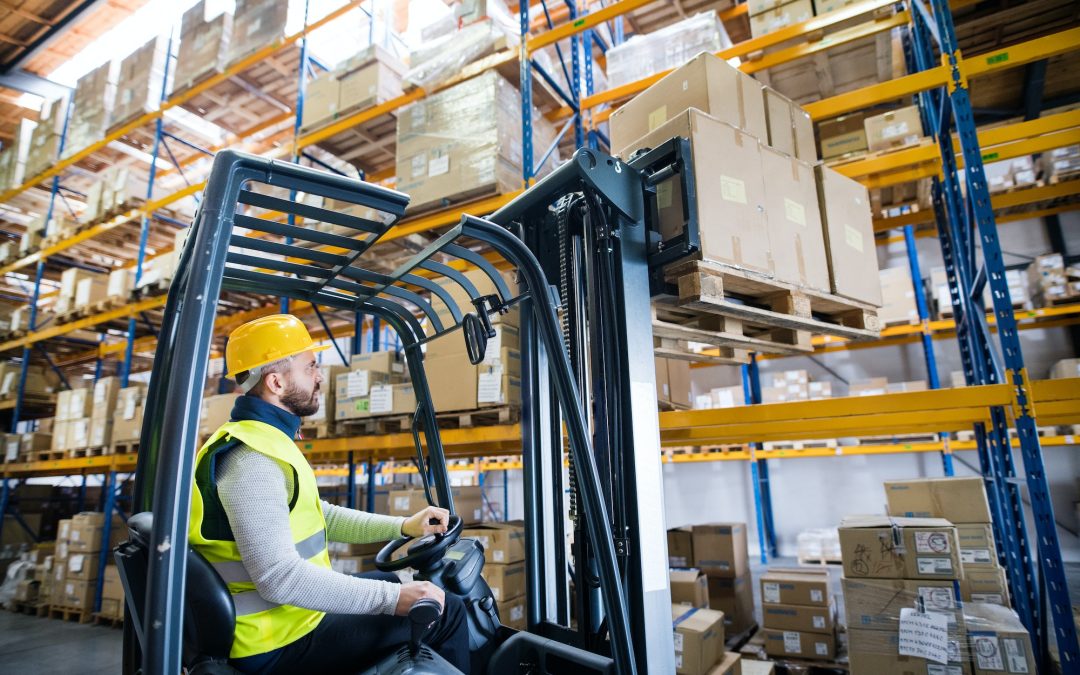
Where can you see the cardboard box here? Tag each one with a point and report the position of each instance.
(121, 282)
(321, 97)
(680, 547)
(689, 587)
(453, 382)
(880, 547)
(985, 584)
(77, 594)
(791, 130)
(78, 433)
(878, 652)
(90, 291)
(735, 598)
(392, 399)
(352, 408)
(875, 604)
(795, 587)
(100, 432)
(849, 236)
(216, 410)
(500, 384)
(26, 590)
(1065, 368)
(127, 428)
(752, 667)
(707, 83)
(502, 542)
(897, 297)
(353, 564)
(111, 587)
(894, 129)
(720, 549)
(958, 500)
(106, 390)
(976, 545)
(673, 382)
(83, 566)
(843, 135)
(467, 502)
(60, 435)
(999, 642)
(793, 217)
(730, 664)
(793, 643)
(730, 196)
(358, 383)
(388, 362)
(806, 619)
(372, 82)
(203, 46)
(699, 639)
(506, 581)
(80, 403)
(512, 613)
(783, 16)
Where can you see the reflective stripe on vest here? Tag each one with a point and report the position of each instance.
(261, 625)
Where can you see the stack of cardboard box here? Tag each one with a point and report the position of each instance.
(374, 383)
(354, 558)
(128, 418)
(699, 640)
(112, 593)
(719, 550)
(468, 502)
(45, 138)
(78, 557)
(805, 225)
(897, 564)
(504, 567)
(106, 391)
(1060, 163)
(40, 381)
(368, 78)
(769, 16)
(92, 108)
(963, 502)
(798, 614)
(204, 46)
(141, 81)
(1051, 281)
(255, 24)
(998, 641)
(117, 190)
(644, 55)
(897, 297)
(72, 427)
(79, 288)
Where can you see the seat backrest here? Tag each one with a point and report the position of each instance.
(209, 613)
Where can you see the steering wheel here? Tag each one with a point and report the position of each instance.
(424, 553)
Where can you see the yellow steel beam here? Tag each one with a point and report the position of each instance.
(972, 67)
(586, 22)
(87, 322)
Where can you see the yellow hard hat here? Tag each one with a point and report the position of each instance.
(265, 340)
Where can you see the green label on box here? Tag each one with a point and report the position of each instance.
(997, 58)
(363, 404)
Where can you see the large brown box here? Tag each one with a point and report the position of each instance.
(802, 618)
(139, 85)
(106, 390)
(467, 502)
(894, 129)
(502, 542)
(999, 642)
(256, 23)
(878, 652)
(77, 594)
(452, 380)
(707, 83)
(370, 78)
(506, 581)
(791, 130)
(985, 584)
(735, 598)
(958, 500)
(849, 236)
(842, 135)
(680, 547)
(795, 587)
(689, 587)
(797, 644)
(729, 187)
(512, 613)
(875, 604)
(83, 566)
(880, 547)
(699, 639)
(203, 46)
(673, 381)
(388, 362)
(321, 96)
(976, 545)
(793, 217)
(216, 410)
(720, 549)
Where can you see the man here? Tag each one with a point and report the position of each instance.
(257, 517)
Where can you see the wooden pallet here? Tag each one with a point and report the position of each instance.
(321, 430)
(819, 561)
(968, 435)
(123, 447)
(790, 313)
(47, 455)
(669, 406)
(364, 426)
(151, 290)
(31, 608)
(800, 445)
(107, 620)
(755, 649)
(95, 451)
(481, 417)
(69, 614)
(109, 303)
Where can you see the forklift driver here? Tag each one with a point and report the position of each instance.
(257, 517)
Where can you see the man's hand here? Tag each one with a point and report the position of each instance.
(431, 520)
(415, 590)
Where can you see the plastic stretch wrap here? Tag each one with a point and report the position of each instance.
(16, 572)
(139, 84)
(466, 140)
(443, 58)
(204, 46)
(256, 24)
(667, 48)
(95, 96)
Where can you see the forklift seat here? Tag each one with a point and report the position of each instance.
(209, 614)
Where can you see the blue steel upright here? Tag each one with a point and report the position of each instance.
(968, 232)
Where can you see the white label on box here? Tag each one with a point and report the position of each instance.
(99, 393)
(517, 612)
(382, 398)
(678, 661)
(975, 555)
(489, 386)
(437, 166)
(792, 642)
(477, 514)
(401, 503)
(419, 165)
(76, 562)
(934, 565)
(498, 555)
(678, 641)
(69, 589)
(418, 113)
(821, 648)
(816, 595)
(74, 535)
(853, 238)
(987, 656)
(992, 598)
(771, 591)
(924, 635)
(935, 669)
(359, 383)
(932, 542)
(935, 598)
(795, 212)
(732, 189)
(129, 408)
(1015, 655)
(819, 622)
(680, 561)
(893, 130)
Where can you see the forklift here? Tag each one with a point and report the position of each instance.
(586, 246)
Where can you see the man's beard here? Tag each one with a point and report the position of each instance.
(301, 403)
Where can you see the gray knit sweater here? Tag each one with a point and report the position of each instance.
(255, 494)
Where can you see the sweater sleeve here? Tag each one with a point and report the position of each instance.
(359, 527)
(254, 494)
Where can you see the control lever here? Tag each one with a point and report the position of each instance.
(422, 615)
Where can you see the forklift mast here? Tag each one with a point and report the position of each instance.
(587, 377)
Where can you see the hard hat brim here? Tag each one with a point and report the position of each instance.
(312, 348)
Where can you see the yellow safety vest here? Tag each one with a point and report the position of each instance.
(261, 625)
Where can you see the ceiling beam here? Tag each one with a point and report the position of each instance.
(20, 80)
(50, 33)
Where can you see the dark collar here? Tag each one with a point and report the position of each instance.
(254, 408)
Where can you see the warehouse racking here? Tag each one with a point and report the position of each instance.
(716, 435)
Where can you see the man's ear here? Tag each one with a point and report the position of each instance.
(274, 383)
